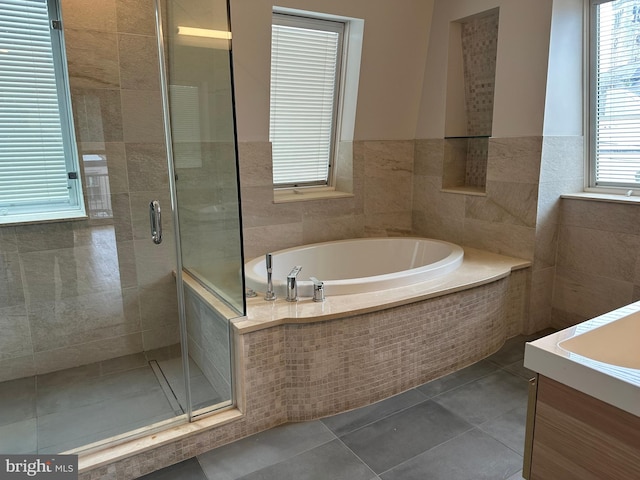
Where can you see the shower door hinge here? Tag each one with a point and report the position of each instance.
(56, 24)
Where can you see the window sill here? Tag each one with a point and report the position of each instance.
(603, 197)
(290, 195)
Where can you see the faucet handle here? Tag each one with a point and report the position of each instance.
(318, 290)
(294, 273)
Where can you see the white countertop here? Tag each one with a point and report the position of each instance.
(615, 385)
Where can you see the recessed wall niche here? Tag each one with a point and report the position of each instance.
(473, 45)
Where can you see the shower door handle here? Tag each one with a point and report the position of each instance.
(155, 219)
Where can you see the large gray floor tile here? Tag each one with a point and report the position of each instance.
(486, 398)
(263, 450)
(65, 429)
(395, 439)
(471, 456)
(511, 352)
(95, 390)
(19, 437)
(509, 429)
(187, 470)
(17, 400)
(344, 423)
(329, 461)
(456, 379)
(516, 476)
(519, 369)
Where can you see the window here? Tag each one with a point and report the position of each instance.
(615, 93)
(39, 177)
(306, 57)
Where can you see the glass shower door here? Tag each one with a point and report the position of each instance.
(203, 147)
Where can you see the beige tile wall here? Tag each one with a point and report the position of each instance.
(598, 266)
(382, 173)
(519, 214)
(85, 291)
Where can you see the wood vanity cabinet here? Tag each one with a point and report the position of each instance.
(571, 435)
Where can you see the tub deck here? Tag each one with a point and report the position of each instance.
(478, 268)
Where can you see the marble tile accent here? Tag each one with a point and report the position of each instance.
(388, 177)
(428, 157)
(85, 318)
(161, 336)
(97, 114)
(159, 304)
(517, 311)
(506, 202)
(11, 289)
(127, 265)
(116, 163)
(147, 167)
(255, 164)
(92, 59)
(562, 158)
(506, 239)
(8, 241)
(142, 116)
(604, 216)
(135, 16)
(80, 15)
(16, 334)
(45, 236)
(587, 295)
(66, 357)
(546, 247)
(397, 224)
(154, 263)
(580, 249)
(454, 163)
(261, 240)
(259, 210)
(515, 159)
(542, 287)
(122, 217)
(139, 69)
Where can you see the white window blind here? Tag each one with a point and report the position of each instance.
(615, 93)
(38, 161)
(305, 61)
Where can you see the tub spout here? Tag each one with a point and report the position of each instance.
(292, 284)
(318, 290)
(270, 295)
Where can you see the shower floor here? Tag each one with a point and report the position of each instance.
(67, 409)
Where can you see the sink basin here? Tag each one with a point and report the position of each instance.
(615, 343)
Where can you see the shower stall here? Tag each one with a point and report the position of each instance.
(117, 323)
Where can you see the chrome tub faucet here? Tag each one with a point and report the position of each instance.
(292, 284)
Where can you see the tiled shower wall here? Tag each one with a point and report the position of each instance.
(84, 291)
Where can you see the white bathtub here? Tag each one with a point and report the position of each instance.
(357, 266)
